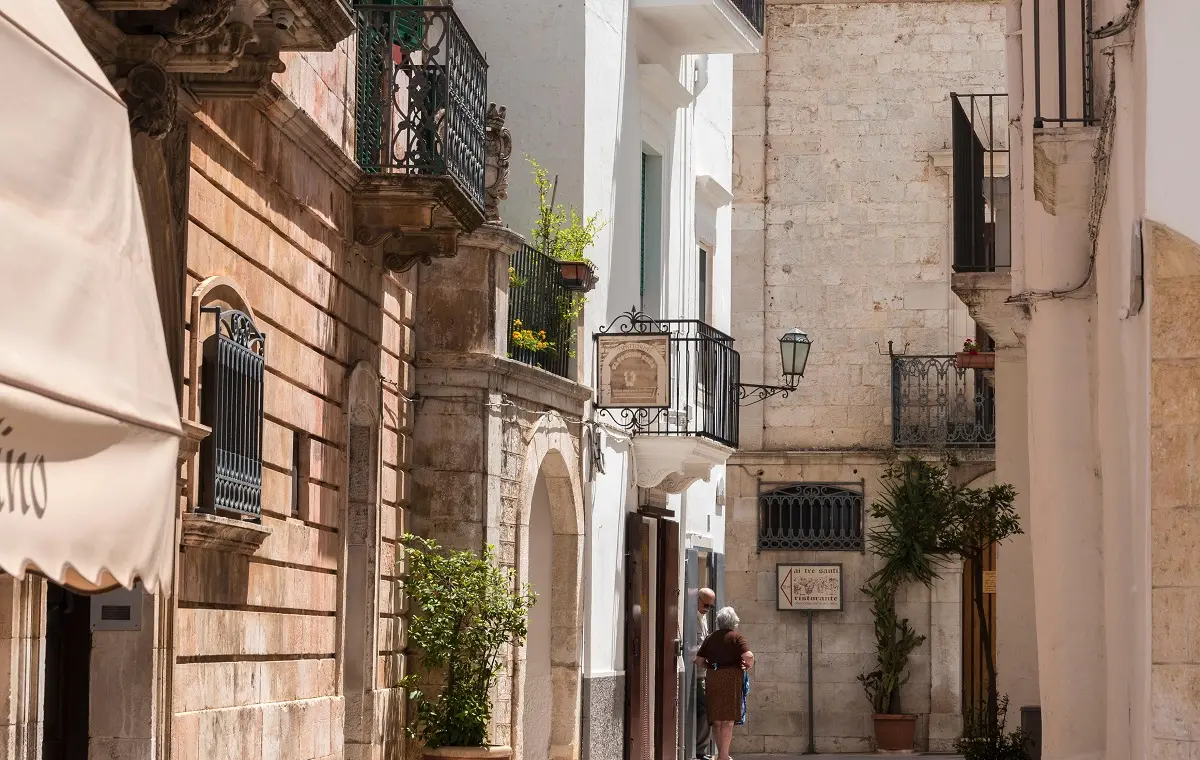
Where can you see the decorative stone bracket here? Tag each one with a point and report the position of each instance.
(673, 463)
(986, 297)
(212, 48)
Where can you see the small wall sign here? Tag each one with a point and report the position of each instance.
(811, 587)
(989, 581)
(635, 371)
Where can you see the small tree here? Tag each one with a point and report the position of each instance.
(909, 512)
(980, 519)
(466, 611)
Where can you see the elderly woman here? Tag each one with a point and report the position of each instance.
(727, 656)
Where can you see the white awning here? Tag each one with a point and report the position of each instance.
(89, 427)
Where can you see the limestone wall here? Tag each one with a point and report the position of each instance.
(841, 222)
(843, 643)
(258, 640)
(1174, 264)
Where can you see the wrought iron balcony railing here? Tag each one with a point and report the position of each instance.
(982, 183)
(538, 302)
(936, 405)
(755, 12)
(1063, 63)
(704, 374)
(421, 95)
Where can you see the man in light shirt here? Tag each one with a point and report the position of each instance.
(705, 599)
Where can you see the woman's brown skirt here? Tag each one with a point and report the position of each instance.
(723, 694)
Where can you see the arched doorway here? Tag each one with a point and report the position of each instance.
(539, 705)
(546, 707)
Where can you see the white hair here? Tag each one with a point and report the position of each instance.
(727, 619)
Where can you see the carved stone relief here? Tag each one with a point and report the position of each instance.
(498, 150)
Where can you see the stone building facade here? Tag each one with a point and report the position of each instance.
(372, 281)
(842, 227)
(1098, 363)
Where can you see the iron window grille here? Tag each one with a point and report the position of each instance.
(231, 403)
(1063, 63)
(421, 94)
(935, 404)
(982, 191)
(537, 300)
(811, 517)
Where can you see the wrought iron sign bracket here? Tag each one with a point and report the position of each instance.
(759, 393)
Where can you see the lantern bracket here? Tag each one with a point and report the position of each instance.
(757, 393)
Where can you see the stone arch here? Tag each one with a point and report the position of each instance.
(360, 566)
(553, 456)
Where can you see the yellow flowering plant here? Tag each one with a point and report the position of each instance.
(530, 340)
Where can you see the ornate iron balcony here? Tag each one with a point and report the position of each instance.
(421, 95)
(537, 303)
(937, 405)
(705, 371)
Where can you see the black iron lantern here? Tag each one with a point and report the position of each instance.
(793, 349)
(576, 275)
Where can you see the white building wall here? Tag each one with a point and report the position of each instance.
(571, 78)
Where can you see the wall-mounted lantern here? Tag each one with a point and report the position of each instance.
(793, 352)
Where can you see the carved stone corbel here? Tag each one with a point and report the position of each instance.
(200, 19)
(497, 151)
(151, 96)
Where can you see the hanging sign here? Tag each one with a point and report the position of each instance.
(811, 587)
(635, 371)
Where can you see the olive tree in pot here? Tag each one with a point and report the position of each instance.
(909, 512)
(467, 611)
(924, 521)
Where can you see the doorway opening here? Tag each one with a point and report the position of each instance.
(67, 674)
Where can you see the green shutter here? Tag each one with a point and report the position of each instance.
(642, 261)
(373, 90)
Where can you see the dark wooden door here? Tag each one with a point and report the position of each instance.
(68, 662)
(975, 677)
(667, 684)
(637, 654)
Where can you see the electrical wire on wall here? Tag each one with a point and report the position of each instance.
(1102, 158)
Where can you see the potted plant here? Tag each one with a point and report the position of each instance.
(971, 357)
(895, 641)
(563, 234)
(467, 612)
(924, 520)
(910, 514)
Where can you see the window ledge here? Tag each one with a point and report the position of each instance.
(205, 531)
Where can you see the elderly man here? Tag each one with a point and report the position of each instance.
(705, 599)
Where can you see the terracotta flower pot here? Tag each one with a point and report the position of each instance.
(469, 753)
(895, 733)
(576, 275)
(981, 360)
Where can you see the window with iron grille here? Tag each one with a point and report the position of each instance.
(811, 517)
(231, 403)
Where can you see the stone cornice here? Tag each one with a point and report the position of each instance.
(300, 126)
(486, 372)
